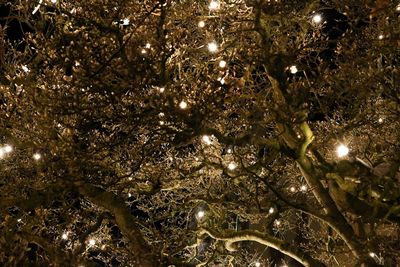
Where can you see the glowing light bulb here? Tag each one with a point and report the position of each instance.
(206, 139)
(161, 89)
(231, 166)
(380, 37)
(292, 189)
(213, 5)
(64, 236)
(271, 210)
(201, 24)
(371, 254)
(257, 264)
(200, 214)
(317, 18)
(125, 22)
(229, 151)
(183, 105)
(212, 47)
(293, 69)
(277, 222)
(54, 1)
(221, 80)
(342, 150)
(25, 68)
(143, 51)
(92, 242)
(162, 122)
(7, 148)
(148, 45)
(380, 120)
(222, 64)
(37, 156)
(303, 188)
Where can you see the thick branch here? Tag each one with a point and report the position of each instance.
(142, 252)
(230, 237)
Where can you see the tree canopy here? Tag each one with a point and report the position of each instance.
(199, 133)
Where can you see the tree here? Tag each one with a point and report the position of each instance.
(184, 133)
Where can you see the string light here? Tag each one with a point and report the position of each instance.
(222, 64)
(183, 105)
(212, 47)
(92, 242)
(54, 1)
(303, 188)
(161, 89)
(271, 210)
(292, 189)
(380, 37)
(125, 22)
(25, 68)
(64, 236)
(148, 45)
(143, 51)
(36, 156)
(229, 151)
(231, 166)
(380, 120)
(371, 254)
(206, 139)
(257, 264)
(213, 5)
(200, 214)
(293, 69)
(342, 150)
(201, 24)
(277, 222)
(317, 18)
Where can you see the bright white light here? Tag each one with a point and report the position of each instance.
(371, 254)
(303, 188)
(64, 236)
(271, 210)
(292, 189)
(342, 150)
(162, 122)
(277, 222)
(161, 89)
(213, 5)
(206, 139)
(201, 24)
(129, 194)
(380, 120)
(317, 18)
(36, 156)
(7, 148)
(148, 45)
(92, 242)
(229, 151)
(231, 166)
(398, 8)
(221, 80)
(212, 47)
(200, 214)
(183, 105)
(380, 37)
(125, 21)
(54, 1)
(25, 68)
(222, 64)
(293, 69)
(257, 264)
(143, 51)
